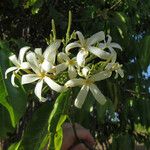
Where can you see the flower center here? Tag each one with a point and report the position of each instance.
(88, 82)
(41, 75)
(71, 62)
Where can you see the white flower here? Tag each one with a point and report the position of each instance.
(66, 62)
(49, 54)
(42, 73)
(115, 66)
(88, 84)
(110, 45)
(19, 64)
(86, 46)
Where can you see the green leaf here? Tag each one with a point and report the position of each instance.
(144, 53)
(3, 98)
(5, 123)
(15, 146)
(13, 99)
(59, 132)
(35, 135)
(57, 117)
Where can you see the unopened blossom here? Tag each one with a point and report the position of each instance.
(86, 46)
(41, 73)
(19, 64)
(88, 83)
(66, 63)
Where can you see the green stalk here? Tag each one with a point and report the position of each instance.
(53, 30)
(69, 27)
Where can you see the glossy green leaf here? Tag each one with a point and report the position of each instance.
(35, 135)
(57, 117)
(14, 99)
(5, 123)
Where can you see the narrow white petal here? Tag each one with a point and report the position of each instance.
(97, 94)
(31, 58)
(85, 71)
(9, 70)
(13, 80)
(50, 52)
(74, 82)
(99, 52)
(81, 38)
(97, 37)
(62, 57)
(22, 53)
(102, 46)
(38, 91)
(72, 72)
(61, 67)
(121, 72)
(53, 85)
(113, 54)
(38, 51)
(81, 57)
(101, 76)
(29, 78)
(109, 66)
(25, 65)
(46, 66)
(14, 60)
(81, 96)
(109, 39)
(115, 45)
(71, 46)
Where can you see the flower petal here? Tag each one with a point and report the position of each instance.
(97, 37)
(38, 51)
(71, 46)
(47, 66)
(101, 75)
(81, 57)
(115, 45)
(29, 78)
(13, 80)
(85, 71)
(62, 57)
(14, 60)
(9, 70)
(121, 72)
(113, 55)
(74, 82)
(38, 91)
(22, 53)
(61, 67)
(81, 96)
(25, 65)
(81, 38)
(53, 85)
(34, 64)
(72, 72)
(109, 39)
(31, 58)
(50, 52)
(102, 46)
(99, 53)
(97, 94)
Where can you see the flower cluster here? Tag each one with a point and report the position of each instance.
(84, 62)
